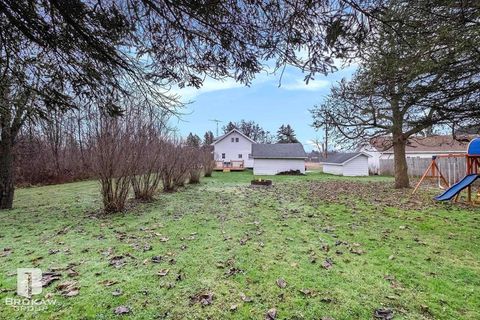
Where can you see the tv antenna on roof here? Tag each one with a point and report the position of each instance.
(217, 122)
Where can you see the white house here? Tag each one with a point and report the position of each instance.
(233, 146)
(270, 159)
(347, 164)
(421, 147)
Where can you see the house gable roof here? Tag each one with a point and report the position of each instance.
(278, 151)
(430, 144)
(220, 138)
(344, 157)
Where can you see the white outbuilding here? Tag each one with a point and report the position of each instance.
(271, 159)
(347, 164)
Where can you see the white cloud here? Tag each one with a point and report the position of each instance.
(209, 85)
(312, 85)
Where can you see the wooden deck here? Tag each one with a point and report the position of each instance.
(227, 166)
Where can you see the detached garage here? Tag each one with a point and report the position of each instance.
(270, 159)
(347, 164)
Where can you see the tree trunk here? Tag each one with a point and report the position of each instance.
(400, 161)
(6, 174)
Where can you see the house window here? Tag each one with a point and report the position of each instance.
(236, 139)
(223, 155)
(239, 156)
(233, 139)
(249, 156)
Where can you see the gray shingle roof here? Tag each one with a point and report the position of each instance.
(341, 157)
(278, 151)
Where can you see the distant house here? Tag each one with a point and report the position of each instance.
(421, 147)
(233, 146)
(347, 164)
(270, 159)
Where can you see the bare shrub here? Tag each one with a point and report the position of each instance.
(170, 159)
(182, 166)
(193, 157)
(52, 150)
(208, 163)
(149, 148)
(146, 175)
(113, 162)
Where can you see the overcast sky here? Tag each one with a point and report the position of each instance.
(263, 102)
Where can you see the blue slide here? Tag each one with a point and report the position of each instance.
(457, 187)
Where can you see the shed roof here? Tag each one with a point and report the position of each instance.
(278, 151)
(341, 158)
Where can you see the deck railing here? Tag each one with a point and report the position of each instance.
(231, 165)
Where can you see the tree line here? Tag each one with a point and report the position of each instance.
(285, 134)
(135, 155)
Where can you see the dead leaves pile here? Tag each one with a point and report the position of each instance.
(378, 194)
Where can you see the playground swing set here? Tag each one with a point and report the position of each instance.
(452, 190)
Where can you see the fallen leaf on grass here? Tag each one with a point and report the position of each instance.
(49, 277)
(68, 288)
(245, 298)
(326, 300)
(163, 272)
(36, 261)
(383, 314)
(243, 241)
(117, 292)
(308, 292)
(72, 273)
(180, 276)
(271, 314)
(5, 252)
(233, 271)
(121, 310)
(357, 251)
(281, 283)
(157, 259)
(204, 298)
(107, 252)
(108, 283)
(327, 264)
(117, 261)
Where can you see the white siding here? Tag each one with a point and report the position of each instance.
(333, 169)
(373, 160)
(356, 167)
(233, 149)
(274, 166)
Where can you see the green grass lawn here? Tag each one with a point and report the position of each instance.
(311, 246)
